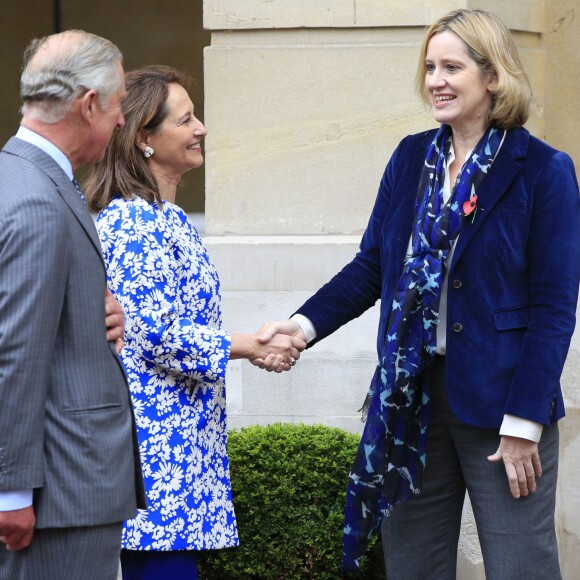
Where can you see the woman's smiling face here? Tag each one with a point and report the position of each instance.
(460, 91)
(177, 141)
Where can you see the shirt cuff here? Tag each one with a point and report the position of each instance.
(306, 326)
(524, 428)
(15, 500)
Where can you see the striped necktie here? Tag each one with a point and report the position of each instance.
(78, 188)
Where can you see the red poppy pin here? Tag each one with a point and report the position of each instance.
(470, 206)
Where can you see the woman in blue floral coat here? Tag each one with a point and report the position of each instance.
(176, 352)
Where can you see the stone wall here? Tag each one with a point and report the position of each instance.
(305, 102)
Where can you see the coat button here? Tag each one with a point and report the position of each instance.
(457, 327)
(457, 283)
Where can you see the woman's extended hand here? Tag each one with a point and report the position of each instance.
(522, 464)
(268, 332)
(278, 353)
(289, 327)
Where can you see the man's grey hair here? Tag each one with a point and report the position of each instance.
(61, 67)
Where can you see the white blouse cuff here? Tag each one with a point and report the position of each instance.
(524, 428)
(306, 326)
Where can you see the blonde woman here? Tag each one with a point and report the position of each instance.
(473, 247)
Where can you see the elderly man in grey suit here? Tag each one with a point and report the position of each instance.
(69, 469)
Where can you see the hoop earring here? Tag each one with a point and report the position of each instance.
(148, 151)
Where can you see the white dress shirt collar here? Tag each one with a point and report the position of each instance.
(49, 148)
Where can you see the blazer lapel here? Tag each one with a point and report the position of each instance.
(502, 174)
(409, 186)
(63, 184)
(72, 198)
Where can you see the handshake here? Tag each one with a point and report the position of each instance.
(276, 346)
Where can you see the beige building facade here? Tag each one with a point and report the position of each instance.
(305, 101)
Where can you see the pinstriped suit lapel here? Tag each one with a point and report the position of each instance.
(71, 197)
(63, 184)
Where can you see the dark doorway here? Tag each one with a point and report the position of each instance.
(147, 32)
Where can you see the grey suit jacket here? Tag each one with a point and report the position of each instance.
(66, 423)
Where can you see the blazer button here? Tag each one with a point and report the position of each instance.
(457, 327)
(457, 284)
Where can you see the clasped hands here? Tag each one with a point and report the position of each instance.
(276, 346)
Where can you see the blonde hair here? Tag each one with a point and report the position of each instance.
(491, 46)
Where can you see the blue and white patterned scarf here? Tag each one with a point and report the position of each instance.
(390, 459)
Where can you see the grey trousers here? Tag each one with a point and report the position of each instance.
(517, 536)
(66, 554)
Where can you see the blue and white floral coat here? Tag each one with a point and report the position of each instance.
(175, 357)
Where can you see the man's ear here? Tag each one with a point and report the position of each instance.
(89, 105)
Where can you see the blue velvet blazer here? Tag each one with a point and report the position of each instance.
(513, 280)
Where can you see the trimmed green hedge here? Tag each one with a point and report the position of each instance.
(289, 487)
